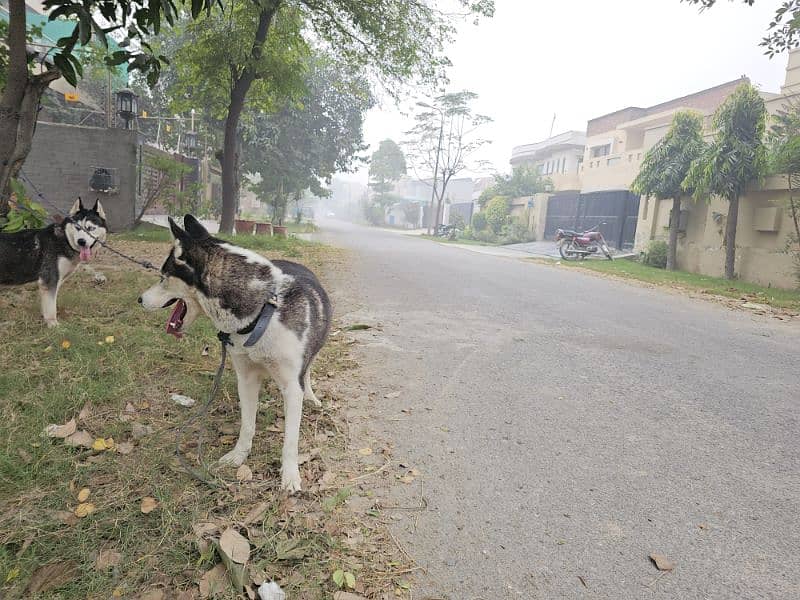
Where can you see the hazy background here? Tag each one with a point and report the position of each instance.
(581, 59)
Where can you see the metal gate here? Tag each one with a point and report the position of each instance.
(615, 211)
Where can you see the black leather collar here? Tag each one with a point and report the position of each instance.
(258, 326)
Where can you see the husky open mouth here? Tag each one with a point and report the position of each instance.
(175, 321)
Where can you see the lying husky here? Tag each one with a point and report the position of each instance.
(48, 256)
(237, 289)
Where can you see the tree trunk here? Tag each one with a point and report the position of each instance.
(241, 85)
(674, 224)
(11, 102)
(730, 237)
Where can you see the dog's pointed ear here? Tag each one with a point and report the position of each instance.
(98, 208)
(195, 228)
(177, 232)
(76, 208)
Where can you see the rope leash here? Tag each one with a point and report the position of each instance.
(197, 474)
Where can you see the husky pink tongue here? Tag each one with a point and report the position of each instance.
(175, 321)
(86, 254)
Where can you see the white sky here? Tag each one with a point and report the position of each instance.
(581, 59)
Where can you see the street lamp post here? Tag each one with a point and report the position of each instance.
(436, 166)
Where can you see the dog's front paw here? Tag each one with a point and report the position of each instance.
(234, 458)
(290, 479)
(51, 322)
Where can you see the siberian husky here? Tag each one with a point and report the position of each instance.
(234, 287)
(49, 255)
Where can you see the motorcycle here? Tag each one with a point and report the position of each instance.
(447, 231)
(573, 245)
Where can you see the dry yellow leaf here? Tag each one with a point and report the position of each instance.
(99, 445)
(83, 495)
(84, 509)
(65, 345)
(109, 339)
(109, 443)
(244, 473)
(149, 504)
(365, 451)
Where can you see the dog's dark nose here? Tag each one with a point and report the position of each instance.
(139, 300)
(81, 242)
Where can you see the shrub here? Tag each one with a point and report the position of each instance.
(497, 213)
(515, 233)
(656, 254)
(479, 221)
(457, 221)
(486, 236)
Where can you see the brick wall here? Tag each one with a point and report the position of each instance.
(63, 158)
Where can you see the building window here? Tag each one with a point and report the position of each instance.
(599, 151)
(613, 161)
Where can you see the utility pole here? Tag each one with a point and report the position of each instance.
(552, 125)
(109, 104)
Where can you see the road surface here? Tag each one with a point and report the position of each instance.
(566, 426)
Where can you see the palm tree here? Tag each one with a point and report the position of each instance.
(736, 157)
(665, 167)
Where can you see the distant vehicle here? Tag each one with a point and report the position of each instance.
(330, 215)
(448, 231)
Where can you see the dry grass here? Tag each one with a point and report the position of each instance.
(123, 389)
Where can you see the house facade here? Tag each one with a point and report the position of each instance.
(559, 158)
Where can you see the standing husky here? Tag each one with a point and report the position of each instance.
(235, 288)
(48, 256)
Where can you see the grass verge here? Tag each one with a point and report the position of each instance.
(740, 290)
(120, 388)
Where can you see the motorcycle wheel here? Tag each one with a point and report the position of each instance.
(607, 252)
(566, 253)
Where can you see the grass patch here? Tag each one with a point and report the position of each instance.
(464, 241)
(123, 388)
(288, 246)
(775, 297)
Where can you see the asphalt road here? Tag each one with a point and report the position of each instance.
(565, 426)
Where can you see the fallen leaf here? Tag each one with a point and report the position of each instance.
(292, 549)
(80, 438)
(244, 473)
(661, 562)
(201, 529)
(83, 495)
(227, 440)
(148, 505)
(392, 395)
(583, 582)
(99, 444)
(406, 478)
(84, 509)
(109, 339)
(138, 431)
(256, 513)
(347, 596)
(61, 431)
(85, 412)
(52, 576)
(234, 545)
(365, 451)
(65, 345)
(125, 448)
(151, 595)
(106, 559)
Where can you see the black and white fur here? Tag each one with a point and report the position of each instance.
(49, 255)
(230, 285)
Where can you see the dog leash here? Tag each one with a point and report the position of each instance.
(197, 474)
(142, 263)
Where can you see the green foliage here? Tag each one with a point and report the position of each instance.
(498, 213)
(479, 222)
(523, 181)
(457, 220)
(656, 254)
(666, 164)
(515, 233)
(162, 186)
(784, 159)
(387, 165)
(784, 30)
(374, 214)
(737, 155)
(24, 213)
(34, 32)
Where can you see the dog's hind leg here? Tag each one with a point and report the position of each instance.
(308, 393)
(249, 377)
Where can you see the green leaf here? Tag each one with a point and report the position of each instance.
(338, 578)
